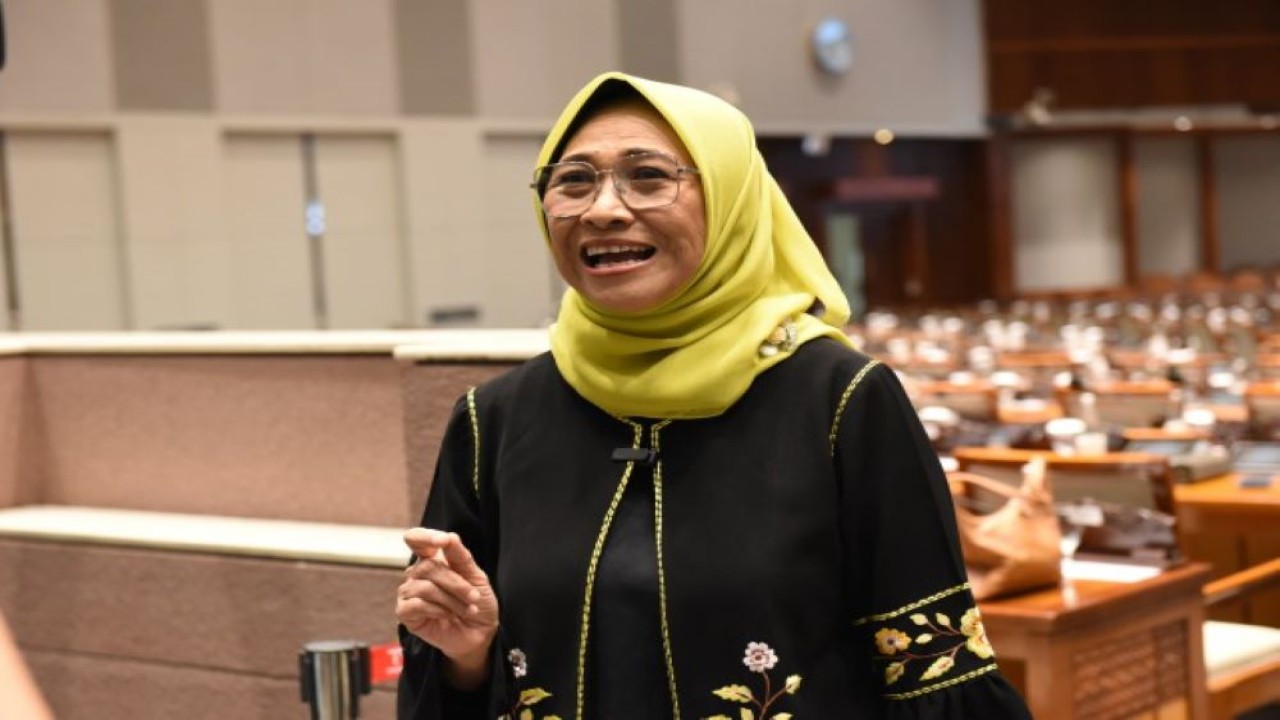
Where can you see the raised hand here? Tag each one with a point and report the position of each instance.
(446, 600)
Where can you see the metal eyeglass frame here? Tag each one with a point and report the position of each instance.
(540, 191)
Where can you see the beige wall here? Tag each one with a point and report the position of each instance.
(427, 123)
(65, 216)
(304, 57)
(172, 207)
(197, 190)
(59, 57)
(918, 66)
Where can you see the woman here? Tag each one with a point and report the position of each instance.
(702, 501)
(19, 695)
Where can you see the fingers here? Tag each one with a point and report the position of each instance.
(443, 601)
(438, 545)
(462, 562)
(425, 542)
(415, 612)
(437, 573)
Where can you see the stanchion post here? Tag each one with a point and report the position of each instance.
(333, 675)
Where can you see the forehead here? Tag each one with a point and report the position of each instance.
(621, 129)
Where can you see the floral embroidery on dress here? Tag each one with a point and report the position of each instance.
(931, 647)
(523, 709)
(760, 659)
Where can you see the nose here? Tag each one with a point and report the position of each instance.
(607, 207)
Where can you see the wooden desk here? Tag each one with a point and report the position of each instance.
(1232, 528)
(1095, 649)
(1219, 505)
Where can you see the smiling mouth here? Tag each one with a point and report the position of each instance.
(608, 256)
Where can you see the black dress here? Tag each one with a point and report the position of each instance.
(800, 556)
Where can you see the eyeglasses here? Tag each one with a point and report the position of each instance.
(643, 181)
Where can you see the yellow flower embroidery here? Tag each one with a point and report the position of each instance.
(971, 627)
(939, 667)
(890, 641)
(941, 643)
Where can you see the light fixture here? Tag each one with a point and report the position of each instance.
(831, 45)
(1182, 123)
(815, 143)
(884, 136)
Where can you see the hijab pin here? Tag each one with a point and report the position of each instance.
(782, 339)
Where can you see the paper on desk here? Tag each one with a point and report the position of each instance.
(1107, 571)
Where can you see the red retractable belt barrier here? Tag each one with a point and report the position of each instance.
(386, 661)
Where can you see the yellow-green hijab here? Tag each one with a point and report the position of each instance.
(697, 353)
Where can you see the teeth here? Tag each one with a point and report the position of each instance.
(606, 250)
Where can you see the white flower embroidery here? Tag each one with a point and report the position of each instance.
(519, 663)
(760, 657)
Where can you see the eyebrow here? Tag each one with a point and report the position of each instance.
(583, 156)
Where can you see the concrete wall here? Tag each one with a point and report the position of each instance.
(127, 634)
(118, 633)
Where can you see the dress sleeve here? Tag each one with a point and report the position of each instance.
(454, 504)
(919, 643)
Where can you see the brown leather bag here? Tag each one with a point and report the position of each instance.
(1014, 547)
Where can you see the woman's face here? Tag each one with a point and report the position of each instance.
(625, 260)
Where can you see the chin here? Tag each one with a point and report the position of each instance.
(625, 302)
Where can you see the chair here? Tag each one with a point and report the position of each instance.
(975, 400)
(1139, 480)
(1242, 662)
(1262, 409)
(1039, 366)
(1126, 404)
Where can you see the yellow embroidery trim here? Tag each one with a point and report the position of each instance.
(913, 606)
(595, 562)
(662, 575)
(475, 439)
(844, 400)
(931, 688)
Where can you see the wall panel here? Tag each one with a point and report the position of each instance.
(436, 62)
(58, 57)
(162, 54)
(1106, 54)
(171, 170)
(532, 57)
(66, 228)
(270, 266)
(1168, 206)
(364, 253)
(1066, 217)
(1248, 180)
(520, 291)
(304, 56)
(446, 200)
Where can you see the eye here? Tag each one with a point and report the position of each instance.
(572, 176)
(652, 170)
